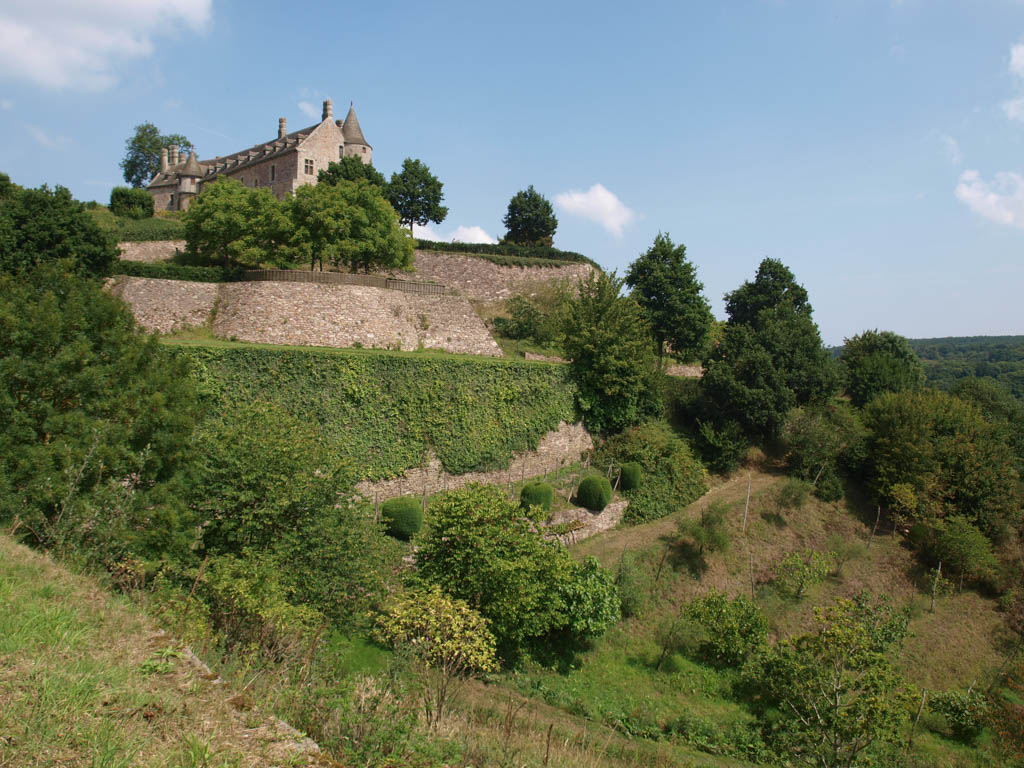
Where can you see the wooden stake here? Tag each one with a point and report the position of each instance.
(746, 507)
(750, 561)
(920, 709)
(547, 750)
(878, 516)
(935, 584)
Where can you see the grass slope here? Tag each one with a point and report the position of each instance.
(86, 680)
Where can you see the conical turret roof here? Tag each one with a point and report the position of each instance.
(192, 166)
(352, 132)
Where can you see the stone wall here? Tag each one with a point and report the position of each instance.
(477, 278)
(157, 250)
(556, 449)
(165, 305)
(582, 523)
(309, 314)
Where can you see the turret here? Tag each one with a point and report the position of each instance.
(355, 143)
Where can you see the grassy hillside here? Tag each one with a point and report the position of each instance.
(384, 412)
(87, 680)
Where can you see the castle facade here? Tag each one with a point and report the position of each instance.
(283, 165)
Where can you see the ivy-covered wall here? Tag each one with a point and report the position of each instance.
(385, 412)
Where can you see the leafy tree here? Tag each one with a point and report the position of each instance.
(416, 194)
(770, 358)
(230, 222)
(481, 549)
(351, 168)
(95, 416)
(446, 636)
(1000, 408)
(821, 441)
(964, 548)
(142, 152)
(530, 219)
(836, 693)
(606, 338)
(665, 284)
(733, 629)
(44, 225)
(131, 202)
(351, 225)
(879, 361)
(799, 570)
(933, 455)
(708, 534)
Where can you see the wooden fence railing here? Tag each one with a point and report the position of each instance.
(346, 278)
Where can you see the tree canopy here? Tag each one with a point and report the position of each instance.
(666, 285)
(773, 286)
(530, 219)
(142, 152)
(416, 194)
(44, 225)
(879, 361)
(351, 168)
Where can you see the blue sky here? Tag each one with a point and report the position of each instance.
(874, 146)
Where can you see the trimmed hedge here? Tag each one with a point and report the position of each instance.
(384, 412)
(130, 202)
(402, 516)
(630, 474)
(543, 252)
(165, 271)
(537, 494)
(594, 492)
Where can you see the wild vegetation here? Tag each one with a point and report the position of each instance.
(850, 594)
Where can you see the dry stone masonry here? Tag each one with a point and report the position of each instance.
(165, 305)
(157, 250)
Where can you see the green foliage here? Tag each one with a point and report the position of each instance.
(537, 494)
(733, 629)
(792, 494)
(1000, 409)
(964, 548)
(665, 284)
(948, 361)
(630, 476)
(708, 534)
(141, 160)
(931, 455)
(482, 550)
(524, 319)
(385, 412)
(518, 255)
(232, 223)
(416, 194)
(821, 443)
(844, 549)
(633, 583)
(607, 340)
(166, 271)
(722, 444)
(347, 224)
(594, 492)
(799, 570)
(43, 225)
(130, 202)
(879, 361)
(673, 478)
(163, 227)
(965, 712)
(770, 358)
(530, 219)
(446, 636)
(836, 694)
(538, 317)
(402, 516)
(351, 168)
(94, 415)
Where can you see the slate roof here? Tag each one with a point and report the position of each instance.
(352, 132)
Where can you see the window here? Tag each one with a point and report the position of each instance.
(341, 151)
(364, 150)
(309, 167)
(273, 173)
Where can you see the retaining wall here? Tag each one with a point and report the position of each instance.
(156, 250)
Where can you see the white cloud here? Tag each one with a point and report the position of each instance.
(310, 110)
(952, 149)
(1001, 201)
(1017, 60)
(599, 205)
(80, 43)
(462, 234)
(44, 139)
(1014, 109)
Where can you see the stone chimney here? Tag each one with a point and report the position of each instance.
(174, 154)
(328, 110)
(282, 127)
(163, 160)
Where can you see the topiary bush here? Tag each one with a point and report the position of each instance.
(537, 494)
(630, 474)
(133, 203)
(594, 492)
(403, 517)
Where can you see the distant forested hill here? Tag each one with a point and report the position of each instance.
(950, 359)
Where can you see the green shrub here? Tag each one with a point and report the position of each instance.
(594, 492)
(532, 252)
(138, 230)
(792, 494)
(799, 570)
(829, 486)
(402, 516)
(164, 271)
(964, 712)
(733, 628)
(633, 582)
(131, 203)
(523, 321)
(630, 474)
(537, 494)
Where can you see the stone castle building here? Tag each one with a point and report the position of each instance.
(283, 165)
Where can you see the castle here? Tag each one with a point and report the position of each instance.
(283, 165)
